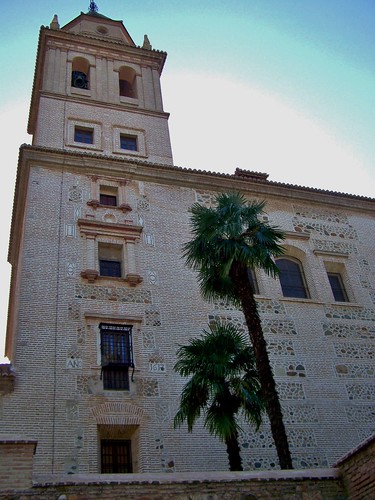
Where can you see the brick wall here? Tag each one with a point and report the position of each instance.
(358, 470)
(16, 464)
(323, 484)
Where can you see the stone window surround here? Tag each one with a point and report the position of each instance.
(97, 182)
(91, 73)
(117, 65)
(337, 264)
(124, 234)
(93, 319)
(140, 135)
(72, 123)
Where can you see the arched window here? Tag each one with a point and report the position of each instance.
(80, 73)
(291, 278)
(127, 82)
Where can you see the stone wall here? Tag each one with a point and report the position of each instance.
(321, 484)
(16, 463)
(358, 470)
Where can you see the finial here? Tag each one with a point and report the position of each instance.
(93, 7)
(146, 43)
(54, 24)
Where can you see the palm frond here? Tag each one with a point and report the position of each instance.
(223, 380)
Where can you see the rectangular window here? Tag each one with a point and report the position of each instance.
(128, 142)
(337, 287)
(108, 196)
(84, 135)
(110, 268)
(116, 456)
(108, 199)
(110, 259)
(116, 355)
(253, 280)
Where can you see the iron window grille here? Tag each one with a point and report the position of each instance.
(116, 355)
(116, 456)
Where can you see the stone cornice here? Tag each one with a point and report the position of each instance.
(256, 184)
(100, 104)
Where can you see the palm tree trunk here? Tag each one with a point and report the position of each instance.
(233, 450)
(245, 293)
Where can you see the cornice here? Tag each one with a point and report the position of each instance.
(254, 182)
(101, 104)
(100, 42)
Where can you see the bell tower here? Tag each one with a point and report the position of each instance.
(95, 90)
(81, 211)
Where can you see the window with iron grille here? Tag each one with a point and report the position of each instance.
(116, 355)
(291, 278)
(337, 286)
(116, 456)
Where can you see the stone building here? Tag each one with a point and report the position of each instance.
(101, 298)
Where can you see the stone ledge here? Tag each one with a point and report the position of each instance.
(42, 480)
(16, 439)
(361, 447)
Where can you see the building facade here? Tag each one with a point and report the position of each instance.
(101, 297)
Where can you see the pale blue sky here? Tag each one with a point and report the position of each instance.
(278, 86)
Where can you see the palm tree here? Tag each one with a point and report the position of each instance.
(224, 381)
(227, 241)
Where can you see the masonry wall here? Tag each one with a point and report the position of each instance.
(321, 351)
(358, 471)
(16, 464)
(215, 486)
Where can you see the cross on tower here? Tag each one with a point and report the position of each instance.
(93, 7)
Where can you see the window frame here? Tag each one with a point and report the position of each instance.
(111, 260)
(132, 141)
(287, 286)
(139, 136)
(73, 124)
(123, 235)
(253, 280)
(85, 133)
(113, 466)
(116, 355)
(338, 289)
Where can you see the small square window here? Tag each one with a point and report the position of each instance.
(337, 287)
(84, 135)
(128, 142)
